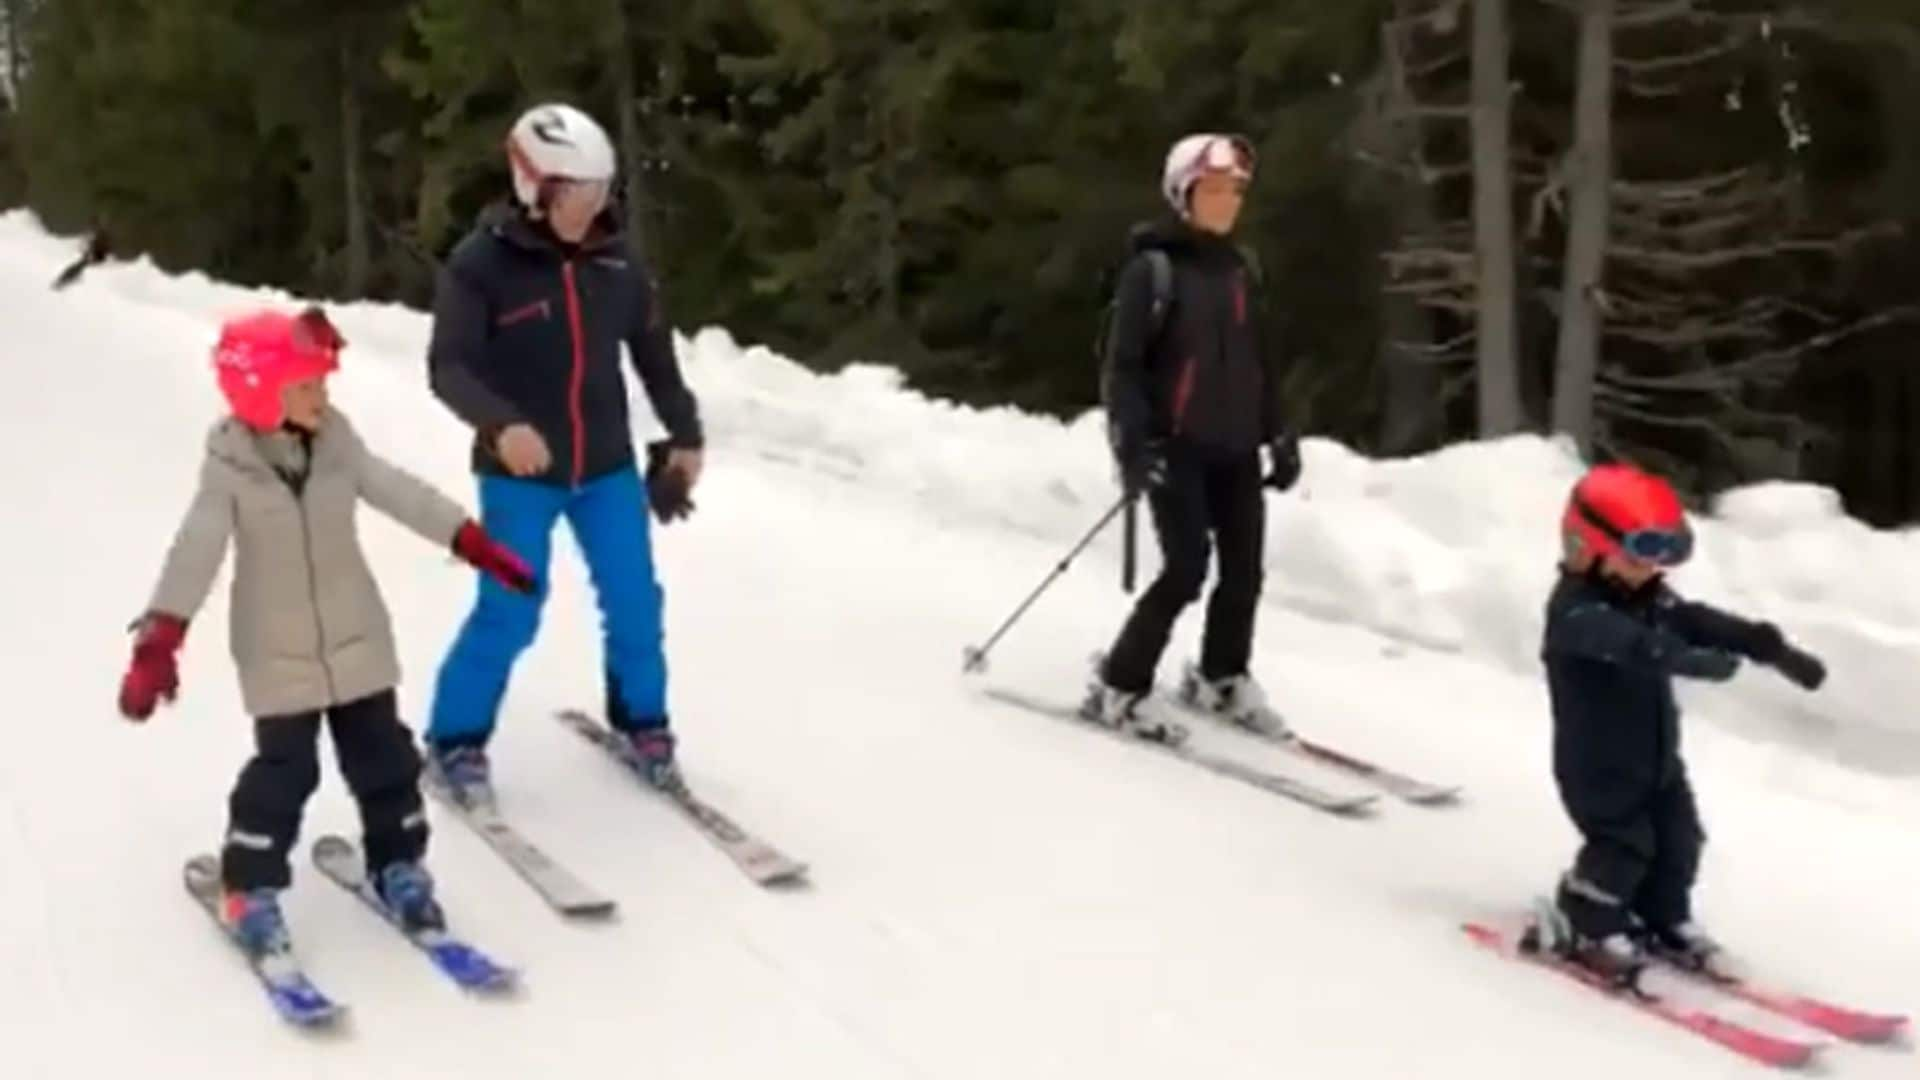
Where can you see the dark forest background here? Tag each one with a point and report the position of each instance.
(1681, 231)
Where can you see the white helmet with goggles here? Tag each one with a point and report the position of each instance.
(1204, 155)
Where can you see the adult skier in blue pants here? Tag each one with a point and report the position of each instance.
(530, 313)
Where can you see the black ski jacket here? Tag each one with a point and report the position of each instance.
(527, 329)
(1210, 379)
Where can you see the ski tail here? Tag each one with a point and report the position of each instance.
(1398, 784)
(763, 863)
(1344, 804)
(562, 890)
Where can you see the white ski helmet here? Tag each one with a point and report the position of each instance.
(556, 142)
(1203, 155)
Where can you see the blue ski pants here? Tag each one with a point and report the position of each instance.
(608, 516)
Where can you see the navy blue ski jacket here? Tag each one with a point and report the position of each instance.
(1611, 655)
(527, 329)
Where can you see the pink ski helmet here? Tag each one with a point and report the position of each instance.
(260, 353)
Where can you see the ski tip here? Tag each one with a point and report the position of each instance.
(331, 846)
(1484, 934)
(792, 879)
(326, 1019)
(199, 870)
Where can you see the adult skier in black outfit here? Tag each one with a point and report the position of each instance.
(1616, 635)
(1192, 395)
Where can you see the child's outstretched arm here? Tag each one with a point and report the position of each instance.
(1761, 642)
(406, 498)
(193, 561)
(421, 507)
(1599, 632)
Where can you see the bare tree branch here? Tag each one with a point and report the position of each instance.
(1440, 257)
(1676, 193)
(1819, 342)
(1737, 38)
(1633, 16)
(1657, 261)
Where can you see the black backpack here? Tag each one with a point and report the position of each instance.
(1162, 267)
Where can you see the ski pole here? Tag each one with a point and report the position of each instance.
(975, 657)
(1129, 530)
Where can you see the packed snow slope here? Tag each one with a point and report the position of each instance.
(995, 894)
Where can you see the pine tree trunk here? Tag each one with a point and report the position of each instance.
(1499, 373)
(17, 12)
(359, 256)
(1589, 183)
(626, 93)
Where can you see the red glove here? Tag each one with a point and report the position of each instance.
(492, 558)
(152, 674)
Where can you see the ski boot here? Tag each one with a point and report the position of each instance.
(651, 751)
(1617, 957)
(1688, 947)
(407, 890)
(463, 773)
(1134, 713)
(253, 917)
(1237, 699)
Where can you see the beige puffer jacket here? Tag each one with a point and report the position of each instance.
(308, 627)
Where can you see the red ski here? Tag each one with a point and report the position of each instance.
(1850, 1024)
(1748, 1042)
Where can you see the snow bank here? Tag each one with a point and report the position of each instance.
(1451, 551)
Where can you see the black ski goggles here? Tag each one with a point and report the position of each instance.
(1660, 546)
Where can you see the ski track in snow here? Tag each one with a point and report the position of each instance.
(995, 893)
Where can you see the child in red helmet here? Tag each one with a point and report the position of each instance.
(280, 482)
(1616, 635)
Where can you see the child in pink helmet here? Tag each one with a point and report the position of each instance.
(309, 632)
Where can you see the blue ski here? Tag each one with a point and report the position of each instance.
(472, 969)
(292, 994)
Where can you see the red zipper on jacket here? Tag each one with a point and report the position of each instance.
(579, 373)
(1182, 391)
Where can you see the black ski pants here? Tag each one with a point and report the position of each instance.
(1206, 504)
(382, 768)
(1640, 864)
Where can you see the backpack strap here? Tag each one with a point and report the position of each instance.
(1162, 267)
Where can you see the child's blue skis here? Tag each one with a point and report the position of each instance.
(292, 994)
(342, 864)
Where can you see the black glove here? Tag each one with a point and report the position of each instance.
(1767, 645)
(1143, 467)
(666, 488)
(1803, 668)
(1763, 642)
(1284, 453)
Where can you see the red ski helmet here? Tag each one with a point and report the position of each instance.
(260, 353)
(1618, 509)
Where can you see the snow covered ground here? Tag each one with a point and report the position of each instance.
(996, 894)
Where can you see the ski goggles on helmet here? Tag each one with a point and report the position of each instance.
(1660, 545)
(312, 331)
(1229, 154)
